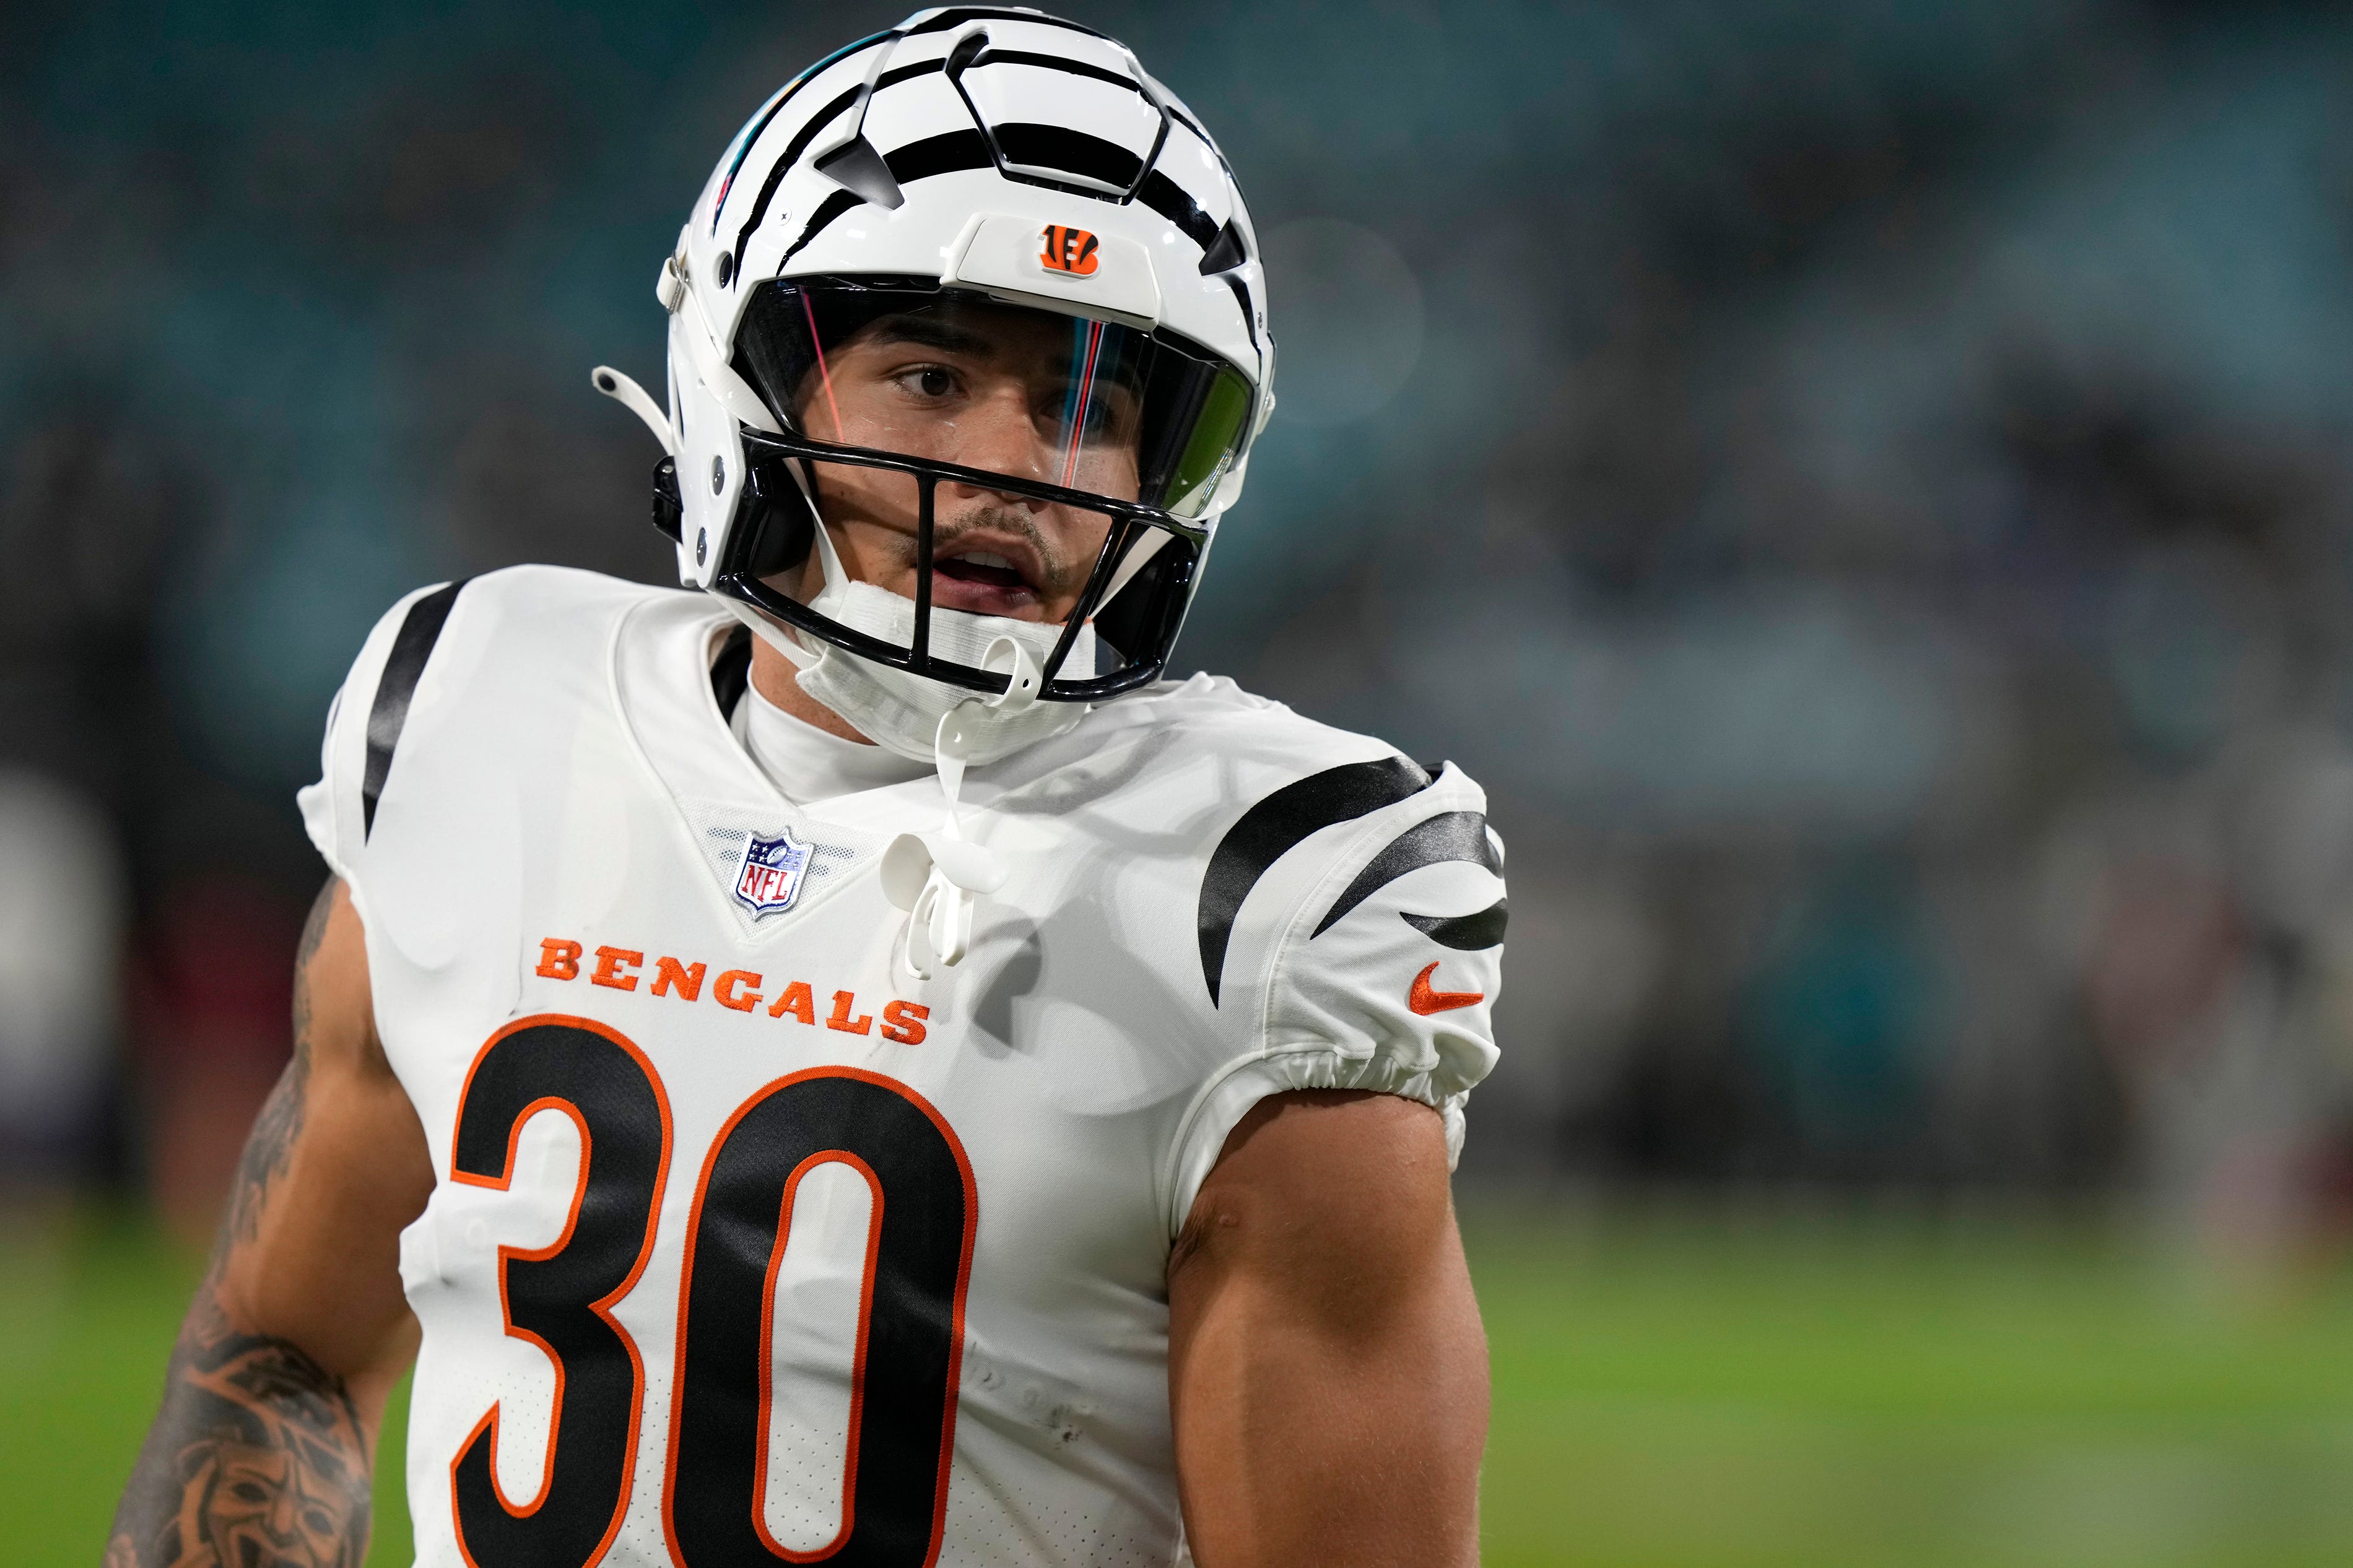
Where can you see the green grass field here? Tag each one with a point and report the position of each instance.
(1728, 1392)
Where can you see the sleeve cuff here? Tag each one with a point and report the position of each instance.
(1230, 1096)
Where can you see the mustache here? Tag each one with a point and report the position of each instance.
(1052, 560)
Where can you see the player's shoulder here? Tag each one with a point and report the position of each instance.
(1250, 747)
(517, 621)
(539, 602)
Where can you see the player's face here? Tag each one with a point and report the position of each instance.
(987, 387)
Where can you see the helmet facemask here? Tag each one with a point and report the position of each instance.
(988, 463)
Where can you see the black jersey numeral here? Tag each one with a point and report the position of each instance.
(560, 1297)
(911, 1330)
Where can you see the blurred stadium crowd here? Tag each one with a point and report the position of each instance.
(1865, 485)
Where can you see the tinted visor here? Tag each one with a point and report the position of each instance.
(950, 376)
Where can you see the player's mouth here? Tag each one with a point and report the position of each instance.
(989, 577)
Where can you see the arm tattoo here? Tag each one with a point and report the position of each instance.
(259, 1456)
(271, 1142)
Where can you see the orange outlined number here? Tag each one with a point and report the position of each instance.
(559, 1298)
(1071, 250)
(918, 1264)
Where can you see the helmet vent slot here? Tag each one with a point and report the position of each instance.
(859, 169)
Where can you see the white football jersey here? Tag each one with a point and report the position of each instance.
(746, 1246)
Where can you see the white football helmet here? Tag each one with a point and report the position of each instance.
(976, 160)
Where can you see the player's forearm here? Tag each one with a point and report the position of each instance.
(259, 1454)
(271, 1399)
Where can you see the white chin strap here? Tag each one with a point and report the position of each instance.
(938, 877)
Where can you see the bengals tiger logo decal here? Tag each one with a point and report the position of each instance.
(1071, 250)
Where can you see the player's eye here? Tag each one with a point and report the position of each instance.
(927, 383)
(1103, 418)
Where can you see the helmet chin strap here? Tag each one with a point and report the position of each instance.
(936, 877)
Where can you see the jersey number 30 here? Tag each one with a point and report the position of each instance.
(560, 1297)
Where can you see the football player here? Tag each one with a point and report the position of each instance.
(845, 1062)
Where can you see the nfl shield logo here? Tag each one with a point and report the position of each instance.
(771, 876)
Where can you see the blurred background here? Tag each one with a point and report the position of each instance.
(1868, 487)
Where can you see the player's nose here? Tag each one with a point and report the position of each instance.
(1001, 436)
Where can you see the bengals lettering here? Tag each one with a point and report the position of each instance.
(622, 968)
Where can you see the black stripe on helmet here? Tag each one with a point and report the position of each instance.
(1058, 147)
(943, 154)
(784, 165)
(1174, 203)
(1268, 830)
(807, 133)
(1055, 63)
(792, 90)
(959, 16)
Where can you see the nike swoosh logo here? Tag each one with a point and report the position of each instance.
(1425, 1001)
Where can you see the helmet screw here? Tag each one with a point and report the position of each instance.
(718, 475)
(702, 544)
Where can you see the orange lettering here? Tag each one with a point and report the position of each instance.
(689, 981)
(558, 958)
(795, 999)
(904, 1022)
(842, 1002)
(723, 990)
(612, 963)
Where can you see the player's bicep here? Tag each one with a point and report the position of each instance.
(335, 1167)
(1327, 1367)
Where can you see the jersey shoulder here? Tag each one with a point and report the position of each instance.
(1347, 911)
(1242, 744)
(459, 658)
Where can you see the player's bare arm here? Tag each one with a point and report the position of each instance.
(1327, 1371)
(271, 1400)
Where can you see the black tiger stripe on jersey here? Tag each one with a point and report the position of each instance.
(1268, 830)
(1450, 836)
(1464, 934)
(388, 715)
